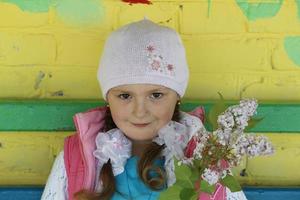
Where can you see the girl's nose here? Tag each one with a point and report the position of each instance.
(140, 109)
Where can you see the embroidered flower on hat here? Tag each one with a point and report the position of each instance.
(170, 67)
(150, 48)
(157, 62)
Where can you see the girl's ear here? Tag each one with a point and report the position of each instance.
(106, 103)
(178, 97)
(178, 100)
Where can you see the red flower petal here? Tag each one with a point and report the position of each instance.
(224, 164)
(198, 112)
(189, 151)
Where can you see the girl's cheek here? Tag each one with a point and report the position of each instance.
(121, 113)
(164, 113)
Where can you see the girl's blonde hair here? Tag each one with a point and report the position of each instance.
(145, 165)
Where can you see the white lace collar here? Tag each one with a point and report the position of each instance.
(114, 145)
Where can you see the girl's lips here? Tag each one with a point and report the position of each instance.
(141, 125)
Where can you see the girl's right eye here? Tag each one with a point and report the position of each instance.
(124, 96)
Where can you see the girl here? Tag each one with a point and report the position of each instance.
(125, 150)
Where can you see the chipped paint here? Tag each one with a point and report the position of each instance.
(38, 80)
(298, 5)
(58, 93)
(208, 7)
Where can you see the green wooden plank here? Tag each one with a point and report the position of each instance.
(54, 115)
(277, 117)
(41, 115)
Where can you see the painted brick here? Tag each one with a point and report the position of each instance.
(75, 49)
(227, 17)
(227, 53)
(64, 80)
(59, 83)
(285, 21)
(163, 13)
(205, 86)
(49, 82)
(12, 16)
(27, 49)
(282, 86)
(100, 24)
(260, 85)
(33, 155)
(218, 17)
(273, 170)
(280, 58)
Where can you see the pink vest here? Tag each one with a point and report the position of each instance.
(78, 151)
(79, 161)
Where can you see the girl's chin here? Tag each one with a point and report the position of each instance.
(143, 140)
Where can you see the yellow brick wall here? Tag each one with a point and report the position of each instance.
(46, 53)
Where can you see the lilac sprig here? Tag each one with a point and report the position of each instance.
(217, 152)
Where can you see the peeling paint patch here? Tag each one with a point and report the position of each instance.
(260, 9)
(292, 47)
(58, 93)
(31, 5)
(298, 5)
(39, 79)
(243, 173)
(209, 7)
(80, 12)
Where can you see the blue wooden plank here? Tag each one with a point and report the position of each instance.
(22, 193)
(252, 193)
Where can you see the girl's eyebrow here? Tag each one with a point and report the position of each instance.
(157, 89)
(150, 91)
(122, 91)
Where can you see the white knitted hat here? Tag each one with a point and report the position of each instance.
(143, 52)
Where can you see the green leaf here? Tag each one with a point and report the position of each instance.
(182, 170)
(206, 187)
(197, 164)
(215, 111)
(195, 175)
(195, 196)
(186, 193)
(184, 183)
(183, 189)
(253, 122)
(172, 192)
(230, 182)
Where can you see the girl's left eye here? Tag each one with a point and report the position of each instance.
(156, 95)
(124, 96)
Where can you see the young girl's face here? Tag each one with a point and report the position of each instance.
(140, 110)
